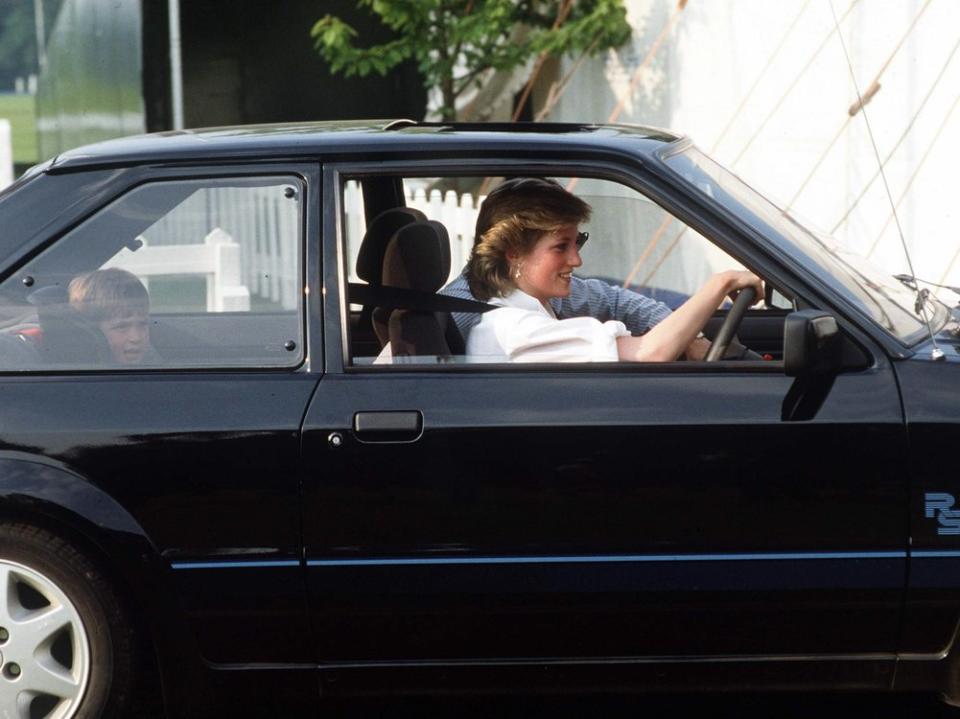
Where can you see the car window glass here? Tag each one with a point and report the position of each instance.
(876, 293)
(643, 247)
(171, 274)
(634, 244)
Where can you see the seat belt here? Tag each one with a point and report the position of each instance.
(406, 299)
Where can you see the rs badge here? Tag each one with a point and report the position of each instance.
(940, 505)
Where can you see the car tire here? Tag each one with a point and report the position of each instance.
(66, 647)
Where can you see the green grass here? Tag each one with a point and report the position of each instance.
(20, 111)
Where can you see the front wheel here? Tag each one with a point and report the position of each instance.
(65, 644)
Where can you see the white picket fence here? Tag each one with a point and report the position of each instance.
(6, 153)
(457, 214)
(217, 259)
(243, 239)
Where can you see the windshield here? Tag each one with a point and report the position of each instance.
(875, 293)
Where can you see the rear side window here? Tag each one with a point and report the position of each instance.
(199, 273)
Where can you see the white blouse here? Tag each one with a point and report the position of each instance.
(523, 330)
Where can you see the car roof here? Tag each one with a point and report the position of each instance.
(309, 139)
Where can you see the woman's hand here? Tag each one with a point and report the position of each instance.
(736, 280)
(673, 335)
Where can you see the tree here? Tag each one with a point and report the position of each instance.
(454, 42)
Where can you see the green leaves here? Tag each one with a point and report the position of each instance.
(333, 39)
(455, 41)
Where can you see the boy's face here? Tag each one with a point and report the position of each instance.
(128, 336)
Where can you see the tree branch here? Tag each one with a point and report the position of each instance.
(538, 66)
(466, 79)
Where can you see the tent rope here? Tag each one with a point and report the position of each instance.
(900, 140)
(773, 111)
(913, 176)
(872, 90)
(796, 81)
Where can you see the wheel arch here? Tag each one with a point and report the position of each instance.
(50, 495)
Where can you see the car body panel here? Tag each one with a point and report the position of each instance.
(192, 476)
(931, 394)
(208, 470)
(627, 527)
(316, 139)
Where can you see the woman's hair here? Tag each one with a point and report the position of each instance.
(104, 294)
(514, 216)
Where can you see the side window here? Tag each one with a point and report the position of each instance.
(199, 273)
(634, 245)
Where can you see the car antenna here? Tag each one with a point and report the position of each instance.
(921, 302)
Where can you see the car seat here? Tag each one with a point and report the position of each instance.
(65, 337)
(370, 260)
(417, 258)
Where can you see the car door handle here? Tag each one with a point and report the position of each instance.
(402, 426)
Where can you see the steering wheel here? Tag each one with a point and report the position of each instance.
(731, 322)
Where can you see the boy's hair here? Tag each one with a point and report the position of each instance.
(514, 216)
(104, 294)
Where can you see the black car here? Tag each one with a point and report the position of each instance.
(217, 494)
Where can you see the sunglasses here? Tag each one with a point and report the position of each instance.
(582, 238)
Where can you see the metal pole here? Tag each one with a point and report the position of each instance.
(176, 66)
(41, 35)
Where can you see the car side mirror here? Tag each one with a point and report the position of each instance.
(774, 299)
(811, 344)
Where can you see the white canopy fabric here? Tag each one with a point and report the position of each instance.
(765, 88)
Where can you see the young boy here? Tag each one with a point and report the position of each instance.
(116, 302)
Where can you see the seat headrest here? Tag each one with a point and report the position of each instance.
(52, 303)
(68, 339)
(49, 296)
(378, 234)
(418, 257)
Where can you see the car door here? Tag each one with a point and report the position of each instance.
(195, 434)
(599, 513)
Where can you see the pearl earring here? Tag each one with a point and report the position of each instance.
(516, 273)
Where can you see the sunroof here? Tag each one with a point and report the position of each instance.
(511, 127)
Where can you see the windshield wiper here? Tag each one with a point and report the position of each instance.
(911, 282)
(924, 296)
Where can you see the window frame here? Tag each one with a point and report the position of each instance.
(743, 246)
(304, 175)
